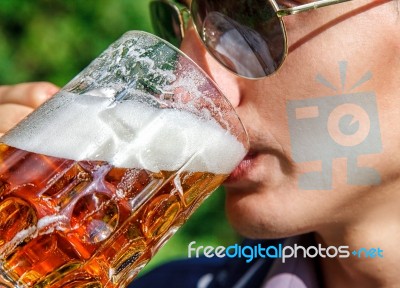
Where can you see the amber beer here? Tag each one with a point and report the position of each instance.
(96, 180)
(78, 214)
(59, 216)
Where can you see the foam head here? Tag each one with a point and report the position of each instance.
(129, 134)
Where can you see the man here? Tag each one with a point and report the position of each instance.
(323, 166)
(324, 140)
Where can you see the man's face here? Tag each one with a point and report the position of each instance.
(345, 49)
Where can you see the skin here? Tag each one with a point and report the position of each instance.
(264, 199)
(17, 101)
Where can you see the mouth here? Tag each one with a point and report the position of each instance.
(264, 163)
(243, 169)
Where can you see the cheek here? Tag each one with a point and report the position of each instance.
(388, 162)
(225, 80)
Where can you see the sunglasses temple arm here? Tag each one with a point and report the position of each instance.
(184, 19)
(307, 7)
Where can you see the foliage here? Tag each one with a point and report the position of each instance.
(54, 39)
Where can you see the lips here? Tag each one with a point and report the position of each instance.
(266, 159)
(242, 169)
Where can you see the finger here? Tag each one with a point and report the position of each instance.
(27, 94)
(11, 114)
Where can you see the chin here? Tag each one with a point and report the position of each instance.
(267, 215)
(259, 230)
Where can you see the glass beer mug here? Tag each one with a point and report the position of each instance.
(95, 181)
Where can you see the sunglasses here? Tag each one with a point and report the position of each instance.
(248, 37)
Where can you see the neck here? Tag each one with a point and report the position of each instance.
(378, 231)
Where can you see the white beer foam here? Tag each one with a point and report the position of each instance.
(128, 134)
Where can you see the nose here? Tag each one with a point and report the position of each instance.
(226, 81)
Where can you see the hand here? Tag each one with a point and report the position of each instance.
(17, 101)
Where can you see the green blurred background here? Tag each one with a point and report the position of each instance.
(52, 40)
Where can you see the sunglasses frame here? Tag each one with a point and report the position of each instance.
(185, 12)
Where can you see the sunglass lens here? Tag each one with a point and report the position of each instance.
(165, 21)
(246, 36)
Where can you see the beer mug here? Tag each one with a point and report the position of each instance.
(96, 180)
